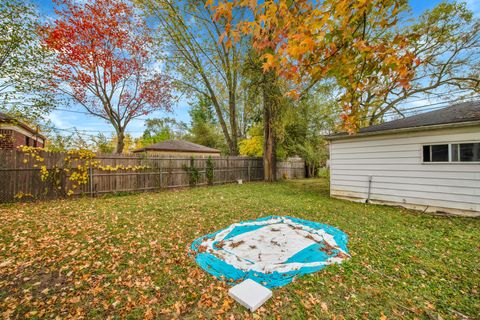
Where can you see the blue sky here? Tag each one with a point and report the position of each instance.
(92, 125)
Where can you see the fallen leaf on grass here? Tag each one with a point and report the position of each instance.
(324, 307)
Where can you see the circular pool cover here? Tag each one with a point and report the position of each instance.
(271, 250)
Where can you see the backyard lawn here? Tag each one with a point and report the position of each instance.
(127, 256)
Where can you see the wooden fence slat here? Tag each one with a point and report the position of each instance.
(161, 172)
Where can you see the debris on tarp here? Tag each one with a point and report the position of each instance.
(272, 251)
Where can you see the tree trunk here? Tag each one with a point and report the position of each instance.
(269, 157)
(311, 171)
(233, 147)
(120, 142)
(233, 124)
(269, 144)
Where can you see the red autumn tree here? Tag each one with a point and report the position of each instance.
(105, 62)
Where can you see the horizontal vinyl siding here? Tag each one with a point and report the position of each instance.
(413, 201)
(470, 169)
(384, 155)
(415, 193)
(462, 183)
(433, 173)
(400, 160)
(398, 174)
(379, 186)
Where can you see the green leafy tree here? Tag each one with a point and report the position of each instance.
(206, 135)
(204, 128)
(209, 171)
(24, 64)
(193, 172)
(101, 143)
(202, 111)
(204, 67)
(161, 129)
(305, 126)
(61, 142)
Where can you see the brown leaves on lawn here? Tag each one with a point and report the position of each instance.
(90, 258)
(128, 257)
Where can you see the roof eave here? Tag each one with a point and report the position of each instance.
(23, 126)
(402, 130)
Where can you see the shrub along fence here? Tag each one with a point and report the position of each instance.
(32, 174)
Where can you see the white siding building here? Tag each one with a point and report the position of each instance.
(428, 162)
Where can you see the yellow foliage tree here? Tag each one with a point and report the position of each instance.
(253, 145)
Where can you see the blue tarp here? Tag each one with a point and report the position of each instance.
(271, 250)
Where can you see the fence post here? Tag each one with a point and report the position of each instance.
(249, 177)
(161, 178)
(90, 173)
(227, 175)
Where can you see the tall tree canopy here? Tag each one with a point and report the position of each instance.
(203, 66)
(448, 48)
(306, 42)
(24, 62)
(105, 62)
(269, 90)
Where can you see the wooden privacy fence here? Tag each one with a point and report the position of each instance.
(21, 175)
(292, 168)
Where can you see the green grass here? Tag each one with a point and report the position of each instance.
(128, 257)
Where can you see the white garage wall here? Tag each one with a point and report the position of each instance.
(394, 162)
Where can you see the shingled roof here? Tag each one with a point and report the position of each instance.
(466, 112)
(178, 146)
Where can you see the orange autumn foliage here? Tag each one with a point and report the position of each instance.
(307, 41)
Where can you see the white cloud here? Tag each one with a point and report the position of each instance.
(60, 120)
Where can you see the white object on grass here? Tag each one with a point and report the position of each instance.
(250, 294)
(240, 181)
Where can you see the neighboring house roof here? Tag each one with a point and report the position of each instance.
(10, 120)
(178, 146)
(455, 115)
